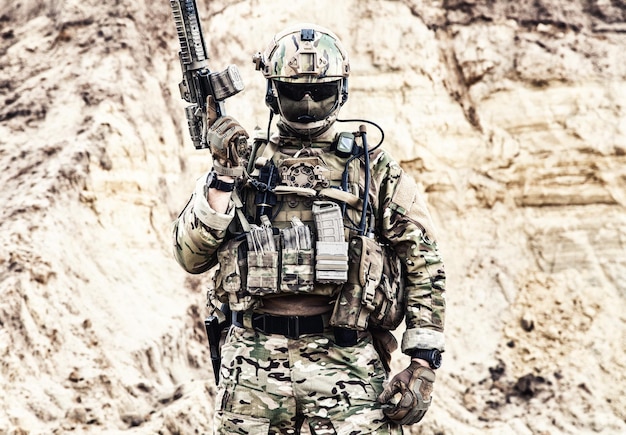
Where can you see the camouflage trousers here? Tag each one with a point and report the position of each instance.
(271, 384)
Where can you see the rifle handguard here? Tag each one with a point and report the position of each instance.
(205, 90)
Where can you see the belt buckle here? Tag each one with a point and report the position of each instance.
(293, 327)
(259, 323)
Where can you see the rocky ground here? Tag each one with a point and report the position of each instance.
(509, 114)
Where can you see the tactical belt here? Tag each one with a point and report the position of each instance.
(293, 326)
(289, 326)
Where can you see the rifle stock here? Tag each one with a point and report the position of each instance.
(205, 90)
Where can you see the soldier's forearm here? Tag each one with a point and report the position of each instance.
(219, 200)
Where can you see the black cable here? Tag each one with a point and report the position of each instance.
(269, 126)
(366, 189)
(363, 226)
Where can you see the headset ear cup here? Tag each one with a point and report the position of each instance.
(271, 99)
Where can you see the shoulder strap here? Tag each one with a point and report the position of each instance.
(245, 225)
(340, 195)
(267, 151)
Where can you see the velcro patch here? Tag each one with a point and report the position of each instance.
(404, 196)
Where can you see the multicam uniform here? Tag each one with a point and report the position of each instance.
(271, 382)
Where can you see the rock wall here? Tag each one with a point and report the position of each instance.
(509, 115)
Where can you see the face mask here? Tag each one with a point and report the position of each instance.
(306, 110)
(305, 103)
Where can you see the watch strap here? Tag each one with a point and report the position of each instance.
(215, 183)
(432, 356)
(222, 185)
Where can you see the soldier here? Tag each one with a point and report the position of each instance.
(322, 246)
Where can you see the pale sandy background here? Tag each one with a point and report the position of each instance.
(510, 115)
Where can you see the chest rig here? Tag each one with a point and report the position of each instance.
(297, 219)
(304, 204)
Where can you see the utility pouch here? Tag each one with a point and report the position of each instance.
(229, 277)
(296, 274)
(390, 298)
(356, 301)
(262, 259)
(331, 249)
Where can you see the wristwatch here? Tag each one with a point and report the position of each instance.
(432, 356)
(213, 182)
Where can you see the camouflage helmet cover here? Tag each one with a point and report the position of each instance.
(304, 53)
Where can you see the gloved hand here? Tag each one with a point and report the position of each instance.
(227, 140)
(408, 395)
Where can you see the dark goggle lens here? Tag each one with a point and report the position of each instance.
(317, 91)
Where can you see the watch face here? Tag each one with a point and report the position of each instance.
(435, 361)
(432, 356)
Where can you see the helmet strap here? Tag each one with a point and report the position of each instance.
(271, 98)
(344, 90)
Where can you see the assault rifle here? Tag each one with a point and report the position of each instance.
(205, 90)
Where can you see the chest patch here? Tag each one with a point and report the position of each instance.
(305, 174)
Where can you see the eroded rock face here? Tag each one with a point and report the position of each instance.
(509, 114)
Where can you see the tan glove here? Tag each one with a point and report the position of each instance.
(407, 397)
(227, 140)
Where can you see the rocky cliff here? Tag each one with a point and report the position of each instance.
(509, 114)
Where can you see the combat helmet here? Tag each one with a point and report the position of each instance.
(307, 71)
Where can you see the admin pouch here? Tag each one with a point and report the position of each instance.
(355, 302)
(374, 296)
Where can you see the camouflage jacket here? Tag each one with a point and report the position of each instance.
(402, 220)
